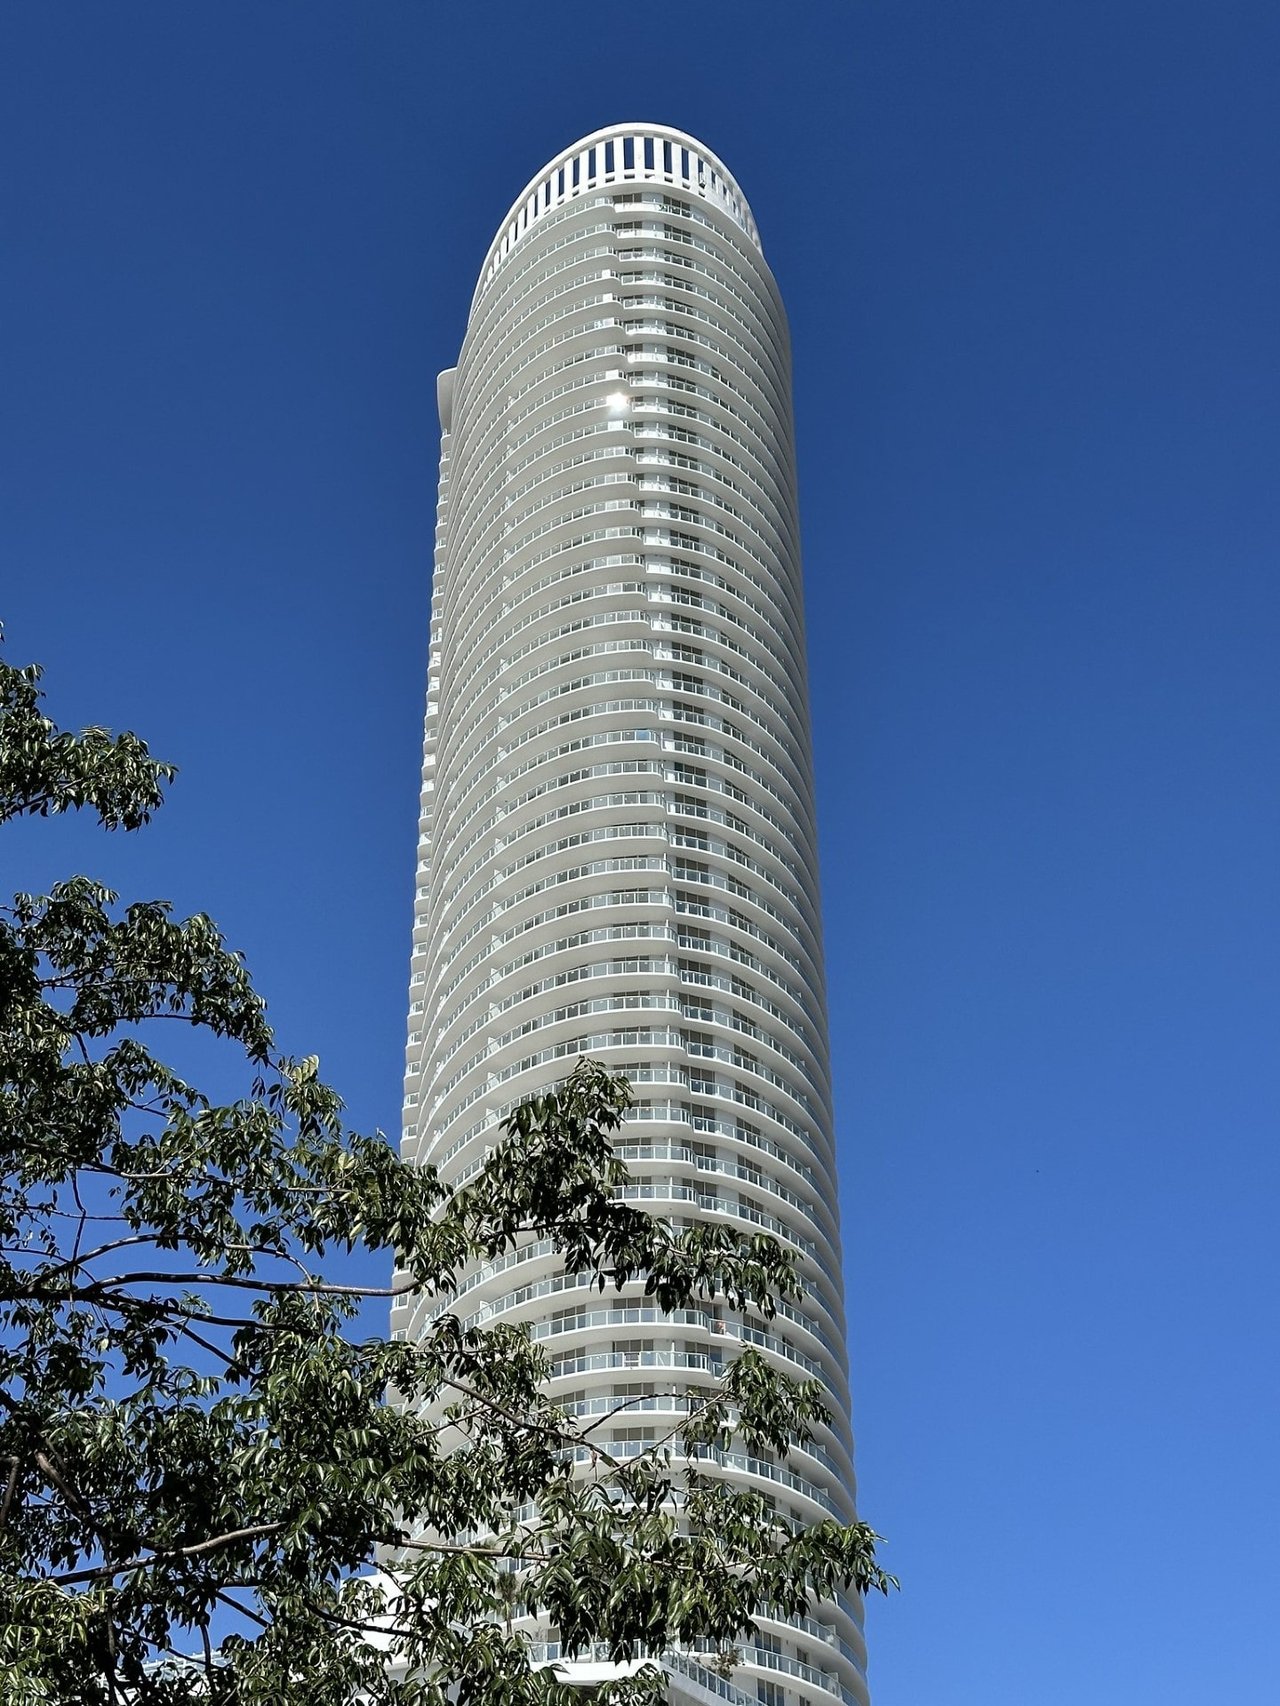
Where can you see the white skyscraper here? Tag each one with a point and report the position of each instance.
(618, 854)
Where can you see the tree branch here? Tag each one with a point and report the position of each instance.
(15, 1465)
(78, 1261)
(103, 1572)
(525, 1423)
(93, 1290)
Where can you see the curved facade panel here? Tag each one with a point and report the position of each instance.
(617, 844)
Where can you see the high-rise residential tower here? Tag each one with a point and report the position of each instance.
(617, 853)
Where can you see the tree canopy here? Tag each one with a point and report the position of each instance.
(215, 1484)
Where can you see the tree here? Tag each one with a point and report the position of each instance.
(201, 1457)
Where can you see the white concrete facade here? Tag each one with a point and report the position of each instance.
(617, 851)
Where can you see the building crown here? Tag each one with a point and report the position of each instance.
(619, 154)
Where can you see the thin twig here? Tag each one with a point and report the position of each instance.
(243, 1610)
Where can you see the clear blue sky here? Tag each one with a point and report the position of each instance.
(1030, 254)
